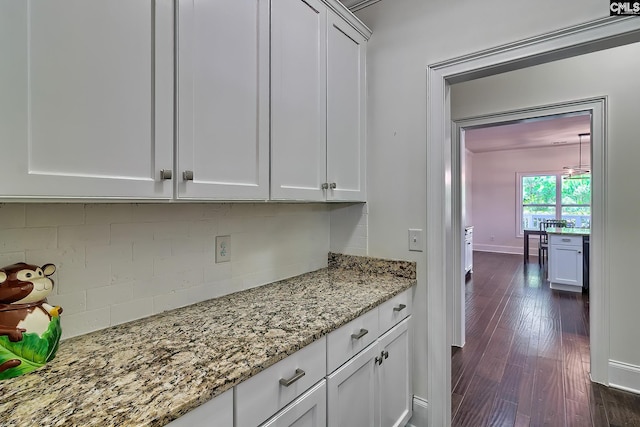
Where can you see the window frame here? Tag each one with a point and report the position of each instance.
(557, 206)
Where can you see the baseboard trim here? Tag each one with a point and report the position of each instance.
(420, 416)
(515, 250)
(624, 376)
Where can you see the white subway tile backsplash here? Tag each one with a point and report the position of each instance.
(70, 303)
(131, 310)
(84, 322)
(20, 239)
(120, 262)
(61, 257)
(108, 213)
(74, 235)
(42, 215)
(12, 215)
(9, 258)
(150, 249)
(106, 296)
(108, 254)
(128, 271)
(132, 232)
(76, 278)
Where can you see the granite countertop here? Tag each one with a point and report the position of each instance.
(151, 371)
(569, 231)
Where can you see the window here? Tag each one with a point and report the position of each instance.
(550, 196)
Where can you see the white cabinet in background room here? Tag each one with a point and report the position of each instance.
(317, 104)
(565, 262)
(223, 99)
(216, 412)
(87, 98)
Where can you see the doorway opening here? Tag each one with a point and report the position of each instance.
(522, 339)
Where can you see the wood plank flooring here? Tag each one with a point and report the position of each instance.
(526, 358)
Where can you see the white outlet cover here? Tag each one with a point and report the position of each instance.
(223, 249)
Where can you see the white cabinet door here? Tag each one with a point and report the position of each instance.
(223, 99)
(309, 410)
(352, 392)
(346, 61)
(468, 255)
(217, 412)
(565, 265)
(395, 377)
(86, 104)
(298, 99)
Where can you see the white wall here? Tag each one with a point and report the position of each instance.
(119, 262)
(612, 73)
(408, 35)
(494, 191)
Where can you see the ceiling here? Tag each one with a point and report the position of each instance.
(553, 131)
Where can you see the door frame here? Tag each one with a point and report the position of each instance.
(440, 253)
(597, 108)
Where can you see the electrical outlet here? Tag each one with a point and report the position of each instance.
(415, 239)
(223, 248)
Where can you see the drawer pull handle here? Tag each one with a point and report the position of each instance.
(360, 334)
(400, 307)
(287, 382)
(566, 240)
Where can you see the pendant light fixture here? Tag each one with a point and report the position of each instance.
(581, 171)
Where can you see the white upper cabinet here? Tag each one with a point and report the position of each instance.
(86, 98)
(298, 99)
(346, 61)
(317, 104)
(223, 99)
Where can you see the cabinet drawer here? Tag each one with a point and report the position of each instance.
(310, 409)
(564, 240)
(263, 395)
(348, 340)
(218, 412)
(393, 311)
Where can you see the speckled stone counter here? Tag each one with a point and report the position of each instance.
(151, 371)
(569, 231)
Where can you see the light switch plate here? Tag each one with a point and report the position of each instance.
(223, 248)
(415, 239)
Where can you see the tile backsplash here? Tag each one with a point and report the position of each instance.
(119, 262)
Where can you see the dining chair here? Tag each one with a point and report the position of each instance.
(543, 245)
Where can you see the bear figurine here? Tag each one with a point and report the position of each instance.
(29, 327)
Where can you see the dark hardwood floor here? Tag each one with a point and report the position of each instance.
(526, 358)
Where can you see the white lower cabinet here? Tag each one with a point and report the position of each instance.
(394, 375)
(352, 391)
(373, 389)
(309, 410)
(565, 262)
(217, 412)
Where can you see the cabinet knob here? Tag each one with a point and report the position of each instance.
(325, 186)
(165, 174)
(385, 354)
(378, 360)
(187, 175)
(332, 186)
